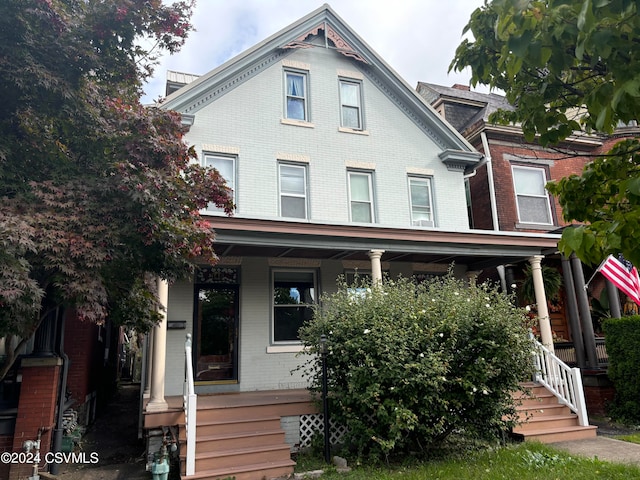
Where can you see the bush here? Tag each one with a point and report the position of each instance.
(411, 363)
(622, 337)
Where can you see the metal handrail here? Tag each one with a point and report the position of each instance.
(563, 381)
(190, 404)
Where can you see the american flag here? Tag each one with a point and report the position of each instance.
(623, 275)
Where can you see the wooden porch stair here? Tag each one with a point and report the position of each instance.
(240, 435)
(545, 419)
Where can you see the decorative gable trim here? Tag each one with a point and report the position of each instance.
(341, 45)
(458, 160)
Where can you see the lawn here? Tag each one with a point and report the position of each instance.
(527, 461)
(633, 438)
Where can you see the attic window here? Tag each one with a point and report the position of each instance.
(330, 36)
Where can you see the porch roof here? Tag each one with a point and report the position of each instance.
(477, 249)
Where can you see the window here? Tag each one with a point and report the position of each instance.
(226, 166)
(296, 101)
(361, 197)
(531, 197)
(294, 293)
(293, 190)
(421, 201)
(350, 104)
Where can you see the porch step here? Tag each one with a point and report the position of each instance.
(267, 471)
(551, 435)
(240, 435)
(543, 418)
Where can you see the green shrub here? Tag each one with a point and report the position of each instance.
(411, 363)
(622, 337)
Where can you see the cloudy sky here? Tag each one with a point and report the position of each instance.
(417, 38)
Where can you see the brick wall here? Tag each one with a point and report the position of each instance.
(84, 345)
(506, 152)
(36, 409)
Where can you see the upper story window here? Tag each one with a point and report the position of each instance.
(293, 190)
(361, 197)
(351, 104)
(226, 166)
(532, 199)
(294, 294)
(421, 201)
(296, 107)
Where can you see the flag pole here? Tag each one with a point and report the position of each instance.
(586, 285)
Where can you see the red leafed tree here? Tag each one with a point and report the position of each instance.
(99, 195)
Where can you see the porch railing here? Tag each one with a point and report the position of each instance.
(566, 351)
(563, 381)
(190, 404)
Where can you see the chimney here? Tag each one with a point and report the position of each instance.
(458, 86)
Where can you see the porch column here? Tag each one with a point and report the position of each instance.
(376, 266)
(572, 310)
(541, 302)
(148, 363)
(614, 299)
(585, 312)
(157, 403)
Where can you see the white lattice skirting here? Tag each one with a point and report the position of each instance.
(314, 423)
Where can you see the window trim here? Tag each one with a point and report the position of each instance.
(305, 76)
(281, 194)
(284, 343)
(429, 183)
(372, 195)
(545, 196)
(360, 106)
(234, 190)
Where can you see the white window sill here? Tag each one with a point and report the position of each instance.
(351, 130)
(297, 123)
(536, 226)
(285, 348)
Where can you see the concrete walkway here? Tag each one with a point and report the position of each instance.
(603, 448)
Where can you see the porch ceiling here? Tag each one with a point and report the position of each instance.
(477, 249)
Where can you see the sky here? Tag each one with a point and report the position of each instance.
(417, 38)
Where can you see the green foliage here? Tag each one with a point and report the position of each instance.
(98, 193)
(411, 363)
(569, 67)
(622, 340)
(552, 281)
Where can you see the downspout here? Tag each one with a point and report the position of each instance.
(54, 467)
(492, 187)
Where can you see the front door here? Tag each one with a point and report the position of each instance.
(216, 327)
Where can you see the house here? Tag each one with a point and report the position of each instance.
(337, 166)
(507, 193)
(55, 388)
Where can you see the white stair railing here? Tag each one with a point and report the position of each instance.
(190, 404)
(563, 381)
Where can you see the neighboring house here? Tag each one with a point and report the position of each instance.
(507, 193)
(55, 387)
(337, 165)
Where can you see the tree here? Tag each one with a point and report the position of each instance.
(99, 194)
(570, 67)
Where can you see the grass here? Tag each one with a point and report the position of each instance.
(633, 438)
(526, 461)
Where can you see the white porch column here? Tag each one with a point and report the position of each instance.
(157, 402)
(541, 302)
(376, 266)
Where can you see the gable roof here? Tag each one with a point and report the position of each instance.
(339, 36)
